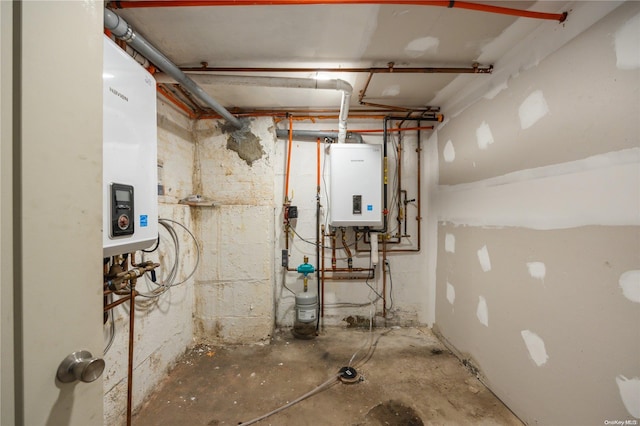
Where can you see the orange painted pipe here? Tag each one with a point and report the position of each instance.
(560, 17)
(171, 98)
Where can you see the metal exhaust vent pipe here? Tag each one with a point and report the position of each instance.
(286, 82)
(121, 29)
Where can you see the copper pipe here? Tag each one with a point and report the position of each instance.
(349, 270)
(338, 270)
(312, 118)
(397, 129)
(384, 279)
(117, 302)
(322, 275)
(347, 278)
(395, 108)
(347, 250)
(418, 198)
(309, 112)
(401, 212)
(560, 17)
(476, 69)
(175, 101)
(333, 250)
(132, 311)
(364, 89)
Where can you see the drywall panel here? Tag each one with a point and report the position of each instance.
(549, 317)
(576, 103)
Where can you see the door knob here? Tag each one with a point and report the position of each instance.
(80, 365)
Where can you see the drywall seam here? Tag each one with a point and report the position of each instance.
(600, 190)
(600, 161)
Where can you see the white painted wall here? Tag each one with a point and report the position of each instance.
(535, 226)
(234, 286)
(163, 326)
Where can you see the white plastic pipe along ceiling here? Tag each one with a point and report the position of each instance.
(285, 82)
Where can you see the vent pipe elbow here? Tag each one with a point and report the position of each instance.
(121, 29)
(284, 82)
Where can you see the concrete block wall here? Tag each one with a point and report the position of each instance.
(234, 289)
(163, 326)
(536, 225)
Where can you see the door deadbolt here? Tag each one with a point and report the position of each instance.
(80, 365)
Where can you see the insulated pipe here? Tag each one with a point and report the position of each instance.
(560, 17)
(313, 134)
(285, 82)
(121, 29)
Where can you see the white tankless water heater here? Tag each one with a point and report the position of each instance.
(129, 194)
(355, 195)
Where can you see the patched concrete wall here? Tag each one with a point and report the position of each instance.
(536, 209)
(234, 288)
(163, 326)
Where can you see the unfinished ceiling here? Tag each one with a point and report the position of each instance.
(397, 57)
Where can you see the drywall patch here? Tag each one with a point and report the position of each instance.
(483, 258)
(537, 270)
(451, 293)
(420, 46)
(484, 136)
(535, 346)
(450, 243)
(449, 152)
(393, 90)
(483, 311)
(630, 284)
(243, 141)
(532, 109)
(630, 394)
(627, 44)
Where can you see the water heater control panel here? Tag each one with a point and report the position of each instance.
(122, 211)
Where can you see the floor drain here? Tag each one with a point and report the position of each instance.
(348, 375)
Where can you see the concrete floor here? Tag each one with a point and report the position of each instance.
(406, 378)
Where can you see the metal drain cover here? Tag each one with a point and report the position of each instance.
(348, 375)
